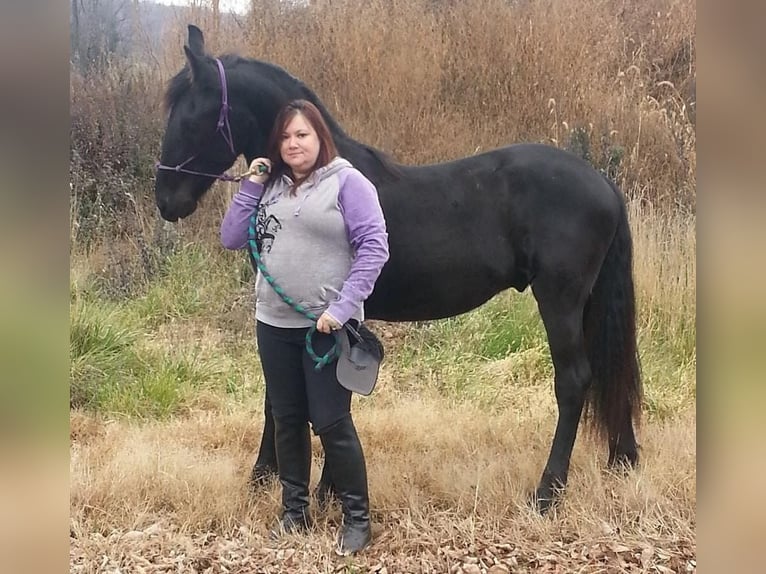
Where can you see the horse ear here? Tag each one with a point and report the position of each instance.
(196, 42)
(195, 55)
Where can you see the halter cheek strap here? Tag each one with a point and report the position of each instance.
(223, 117)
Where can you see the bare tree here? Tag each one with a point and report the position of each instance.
(99, 30)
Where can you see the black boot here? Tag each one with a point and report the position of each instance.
(325, 490)
(294, 459)
(345, 459)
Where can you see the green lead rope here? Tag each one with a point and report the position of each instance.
(334, 352)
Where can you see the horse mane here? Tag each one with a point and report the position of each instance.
(177, 87)
(280, 75)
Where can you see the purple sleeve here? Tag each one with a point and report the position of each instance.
(366, 229)
(237, 219)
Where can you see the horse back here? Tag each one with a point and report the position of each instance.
(500, 218)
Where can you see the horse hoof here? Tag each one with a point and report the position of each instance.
(543, 505)
(261, 475)
(544, 499)
(624, 460)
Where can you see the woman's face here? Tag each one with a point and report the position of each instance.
(300, 146)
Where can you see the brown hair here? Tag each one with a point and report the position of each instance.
(327, 149)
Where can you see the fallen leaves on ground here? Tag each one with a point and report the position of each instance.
(160, 549)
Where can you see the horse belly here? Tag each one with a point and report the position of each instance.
(425, 295)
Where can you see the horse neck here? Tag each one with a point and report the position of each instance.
(364, 157)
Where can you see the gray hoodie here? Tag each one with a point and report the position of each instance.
(325, 245)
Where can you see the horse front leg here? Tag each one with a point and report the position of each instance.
(265, 468)
(572, 379)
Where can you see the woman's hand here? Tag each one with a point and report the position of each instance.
(326, 324)
(261, 169)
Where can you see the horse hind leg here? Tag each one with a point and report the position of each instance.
(561, 309)
(265, 468)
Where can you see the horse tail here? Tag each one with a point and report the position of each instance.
(609, 324)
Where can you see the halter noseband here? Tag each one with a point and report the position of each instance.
(223, 126)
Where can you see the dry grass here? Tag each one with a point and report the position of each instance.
(428, 81)
(665, 270)
(454, 448)
(448, 485)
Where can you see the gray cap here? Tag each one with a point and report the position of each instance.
(359, 361)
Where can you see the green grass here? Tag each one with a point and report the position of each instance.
(112, 369)
(126, 358)
(486, 355)
(100, 351)
(480, 356)
(508, 323)
(111, 372)
(160, 387)
(668, 365)
(195, 281)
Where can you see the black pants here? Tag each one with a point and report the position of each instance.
(296, 390)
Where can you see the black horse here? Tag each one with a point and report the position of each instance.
(459, 232)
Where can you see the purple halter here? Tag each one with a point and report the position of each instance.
(223, 126)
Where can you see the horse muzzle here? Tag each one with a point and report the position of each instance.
(175, 208)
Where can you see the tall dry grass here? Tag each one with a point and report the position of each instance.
(665, 271)
(440, 493)
(429, 81)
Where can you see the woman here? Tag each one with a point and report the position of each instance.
(321, 234)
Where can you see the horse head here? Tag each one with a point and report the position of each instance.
(205, 132)
(219, 108)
